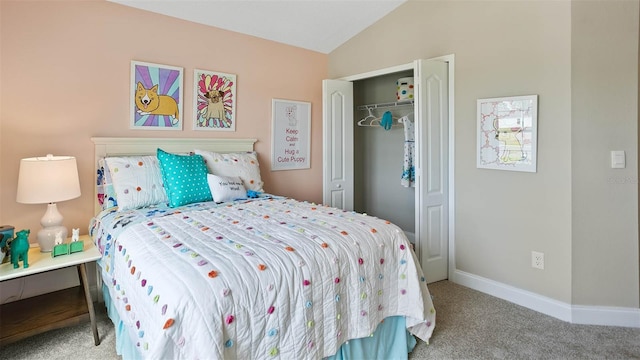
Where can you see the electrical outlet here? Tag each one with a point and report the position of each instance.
(537, 260)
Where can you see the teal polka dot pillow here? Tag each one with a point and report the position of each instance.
(184, 177)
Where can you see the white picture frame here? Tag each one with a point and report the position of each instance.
(290, 135)
(156, 96)
(213, 112)
(507, 133)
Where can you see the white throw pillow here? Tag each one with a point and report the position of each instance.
(242, 165)
(226, 188)
(137, 181)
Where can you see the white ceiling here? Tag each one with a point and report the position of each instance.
(318, 25)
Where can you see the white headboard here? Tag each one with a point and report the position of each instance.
(127, 146)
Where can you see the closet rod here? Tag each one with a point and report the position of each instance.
(385, 105)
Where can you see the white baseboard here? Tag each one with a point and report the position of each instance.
(606, 315)
(577, 314)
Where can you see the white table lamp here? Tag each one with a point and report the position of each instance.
(48, 179)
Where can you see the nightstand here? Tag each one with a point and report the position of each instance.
(31, 316)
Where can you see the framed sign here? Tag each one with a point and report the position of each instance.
(290, 135)
(156, 96)
(507, 133)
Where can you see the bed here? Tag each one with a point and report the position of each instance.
(244, 274)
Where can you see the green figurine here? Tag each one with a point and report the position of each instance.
(19, 249)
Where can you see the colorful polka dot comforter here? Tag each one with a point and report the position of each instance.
(265, 278)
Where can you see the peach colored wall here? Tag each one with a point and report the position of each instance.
(65, 78)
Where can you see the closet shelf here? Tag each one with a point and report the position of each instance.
(385, 105)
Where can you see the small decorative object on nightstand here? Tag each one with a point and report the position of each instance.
(19, 249)
(62, 249)
(6, 234)
(58, 239)
(75, 245)
(75, 234)
(59, 248)
(48, 179)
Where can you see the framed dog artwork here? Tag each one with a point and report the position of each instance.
(156, 96)
(214, 101)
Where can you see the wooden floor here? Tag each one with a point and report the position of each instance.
(31, 316)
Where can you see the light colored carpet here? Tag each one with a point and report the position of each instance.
(469, 325)
(474, 325)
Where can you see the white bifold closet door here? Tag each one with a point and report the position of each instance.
(432, 168)
(431, 162)
(337, 130)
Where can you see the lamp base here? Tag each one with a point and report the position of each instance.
(51, 227)
(47, 237)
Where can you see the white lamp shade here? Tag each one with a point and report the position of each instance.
(48, 179)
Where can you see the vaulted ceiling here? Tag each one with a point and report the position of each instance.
(318, 25)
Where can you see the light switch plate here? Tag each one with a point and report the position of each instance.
(618, 159)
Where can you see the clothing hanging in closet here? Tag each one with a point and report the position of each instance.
(408, 170)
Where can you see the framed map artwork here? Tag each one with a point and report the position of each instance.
(507, 133)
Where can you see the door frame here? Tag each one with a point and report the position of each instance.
(450, 60)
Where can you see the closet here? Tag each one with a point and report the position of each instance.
(363, 156)
(379, 151)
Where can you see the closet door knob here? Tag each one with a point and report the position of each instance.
(338, 186)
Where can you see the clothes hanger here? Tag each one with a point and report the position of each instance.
(407, 115)
(370, 118)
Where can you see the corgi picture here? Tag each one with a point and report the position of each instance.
(149, 102)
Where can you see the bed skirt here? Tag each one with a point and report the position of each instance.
(391, 340)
